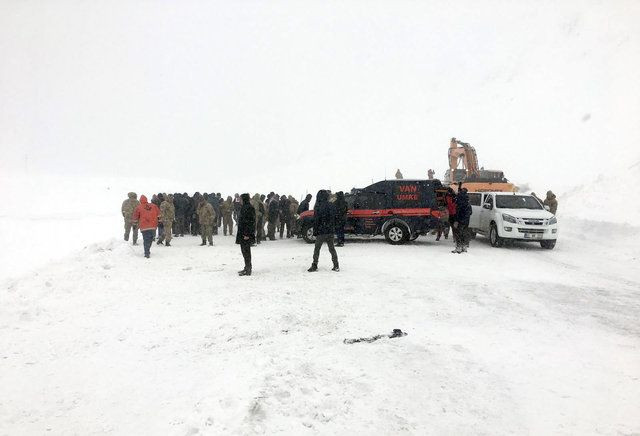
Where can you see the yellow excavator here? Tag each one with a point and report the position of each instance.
(463, 167)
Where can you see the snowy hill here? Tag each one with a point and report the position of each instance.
(608, 198)
(47, 217)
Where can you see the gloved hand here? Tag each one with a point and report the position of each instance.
(455, 225)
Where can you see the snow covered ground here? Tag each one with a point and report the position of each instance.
(500, 341)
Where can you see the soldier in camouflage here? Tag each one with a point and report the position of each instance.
(206, 218)
(226, 208)
(167, 217)
(128, 207)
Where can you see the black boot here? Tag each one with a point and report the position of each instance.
(167, 245)
(336, 267)
(314, 268)
(203, 243)
(160, 243)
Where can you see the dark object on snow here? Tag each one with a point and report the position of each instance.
(397, 333)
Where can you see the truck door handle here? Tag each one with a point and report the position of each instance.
(376, 212)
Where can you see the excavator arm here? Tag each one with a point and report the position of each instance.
(462, 153)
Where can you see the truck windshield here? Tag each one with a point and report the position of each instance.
(517, 202)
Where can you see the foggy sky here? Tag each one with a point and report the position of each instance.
(292, 96)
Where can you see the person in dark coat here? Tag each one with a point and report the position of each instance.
(324, 223)
(285, 216)
(273, 214)
(341, 217)
(246, 234)
(461, 222)
(304, 205)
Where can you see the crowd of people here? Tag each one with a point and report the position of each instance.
(167, 216)
(173, 215)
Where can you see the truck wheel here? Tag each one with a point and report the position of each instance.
(307, 235)
(396, 234)
(496, 241)
(549, 244)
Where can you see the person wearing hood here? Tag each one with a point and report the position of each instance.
(461, 221)
(226, 209)
(167, 217)
(128, 207)
(145, 218)
(324, 222)
(246, 236)
(549, 201)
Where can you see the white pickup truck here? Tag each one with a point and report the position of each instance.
(505, 217)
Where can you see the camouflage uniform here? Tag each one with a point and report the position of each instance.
(551, 202)
(206, 218)
(128, 207)
(293, 210)
(167, 217)
(226, 208)
(256, 202)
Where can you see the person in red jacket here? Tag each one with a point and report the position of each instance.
(450, 198)
(146, 216)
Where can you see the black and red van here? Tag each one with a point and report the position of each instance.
(401, 210)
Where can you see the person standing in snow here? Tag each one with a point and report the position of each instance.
(399, 175)
(284, 216)
(145, 217)
(273, 211)
(226, 208)
(549, 201)
(324, 223)
(167, 217)
(293, 209)
(206, 219)
(257, 205)
(461, 222)
(246, 236)
(450, 200)
(128, 207)
(341, 217)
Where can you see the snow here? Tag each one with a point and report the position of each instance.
(513, 340)
(607, 198)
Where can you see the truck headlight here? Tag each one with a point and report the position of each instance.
(553, 220)
(508, 218)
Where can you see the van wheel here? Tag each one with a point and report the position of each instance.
(396, 234)
(548, 244)
(496, 241)
(307, 234)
